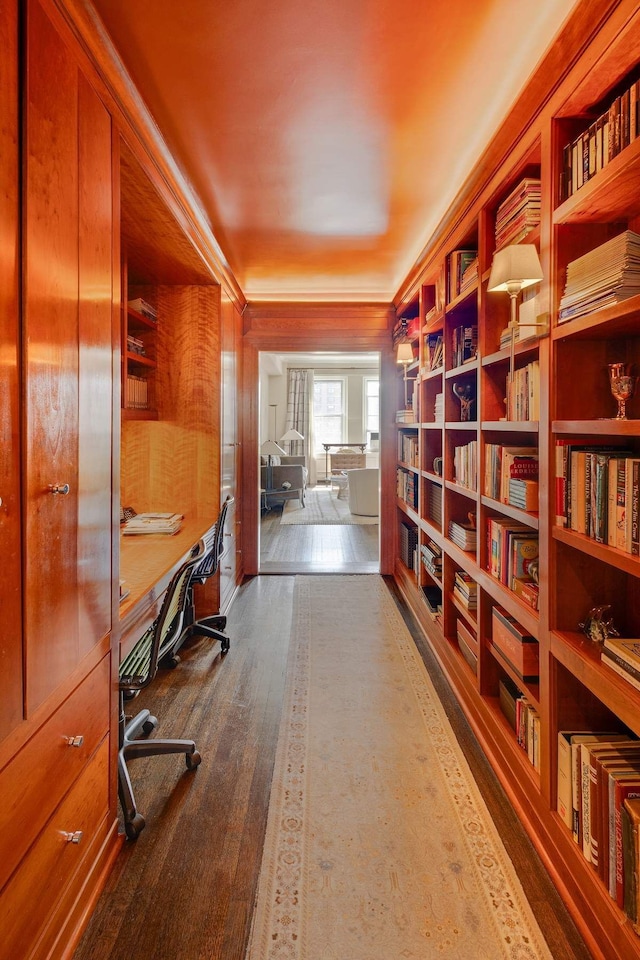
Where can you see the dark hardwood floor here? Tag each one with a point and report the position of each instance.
(317, 548)
(185, 889)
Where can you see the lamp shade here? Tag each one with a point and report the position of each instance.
(291, 435)
(405, 353)
(271, 449)
(515, 268)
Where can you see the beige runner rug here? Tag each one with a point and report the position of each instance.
(379, 845)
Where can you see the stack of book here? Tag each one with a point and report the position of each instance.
(519, 214)
(135, 345)
(602, 277)
(438, 407)
(141, 306)
(465, 589)
(523, 494)
(153, 523)
(623, 656)
(469, 276)
(432, 558)
(464, 535)
(406, 416)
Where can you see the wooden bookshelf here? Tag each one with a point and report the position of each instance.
(575, 690)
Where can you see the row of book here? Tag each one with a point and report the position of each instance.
(432, 596)
(405, 328)
(408, 542)
(433, 352)
(523, 718)
(523, 392)
(519, 213)
(407, 487)
(465, 464)
(604, 138)
(458, 262)
(606, 275)
(598, 799)
(408, 448)
(597, 493)
(431, 555)
(504, 465)
(464, 344)
(434, 504)
(144, 307)
(511, 548)
(136, 396)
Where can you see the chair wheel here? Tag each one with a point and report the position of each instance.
(224, 648)
(193, 760)
(133, 828)
(170, 662)
(149, 725)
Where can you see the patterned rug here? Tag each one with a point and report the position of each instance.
(322, 506)
(379, 845)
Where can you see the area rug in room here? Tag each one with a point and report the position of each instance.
(322, 506)
(379, 845)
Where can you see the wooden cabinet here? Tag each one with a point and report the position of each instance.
(59, 806)
(455, 577)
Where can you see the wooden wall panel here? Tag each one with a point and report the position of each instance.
(51, 357)
(95, 370)
(10, 534)
(174, 463)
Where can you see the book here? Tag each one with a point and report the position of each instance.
(585, 748)
(624, 651)
(143, 307)
(148, 523)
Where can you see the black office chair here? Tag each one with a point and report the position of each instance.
(137, 671)
(212, 626)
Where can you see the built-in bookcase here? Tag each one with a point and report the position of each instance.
(463, 421)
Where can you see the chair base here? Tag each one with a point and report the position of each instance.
(131, 749)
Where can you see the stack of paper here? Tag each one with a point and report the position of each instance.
(604, 276)
(153, 523)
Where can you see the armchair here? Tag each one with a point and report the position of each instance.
(289, 470)
(363, 491)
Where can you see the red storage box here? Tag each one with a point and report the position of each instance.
(512, 643)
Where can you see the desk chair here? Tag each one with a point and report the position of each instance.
(137, 671)
(213, 625)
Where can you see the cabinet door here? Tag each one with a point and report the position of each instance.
(68, 355)
(10, 606)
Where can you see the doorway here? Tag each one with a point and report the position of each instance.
(319, 411)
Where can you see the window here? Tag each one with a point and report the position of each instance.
(329, 411)
(372, 412)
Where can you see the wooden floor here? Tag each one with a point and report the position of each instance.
(184, 890)
(317, 548)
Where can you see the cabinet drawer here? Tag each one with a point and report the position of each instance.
(27, 901)
(34, 782)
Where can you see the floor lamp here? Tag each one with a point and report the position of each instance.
(270, 449)
(290, 437)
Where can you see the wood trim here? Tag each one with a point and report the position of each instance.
(315, 326)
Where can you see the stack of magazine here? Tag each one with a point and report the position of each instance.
(153, 523)
(602, 277)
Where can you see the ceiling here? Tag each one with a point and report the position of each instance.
(325, 139)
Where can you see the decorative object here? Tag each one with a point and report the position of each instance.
(404, 355)
(515, 268)
(378, 840)
(623, 386)
(437, 466)
(466, 394)
(596, 626)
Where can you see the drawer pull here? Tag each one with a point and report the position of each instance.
(74, 837)
(74, 741)
(61, 488)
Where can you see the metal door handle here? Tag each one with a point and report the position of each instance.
(61, 488)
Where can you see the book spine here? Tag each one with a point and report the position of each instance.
(621, 501)
(635, 529)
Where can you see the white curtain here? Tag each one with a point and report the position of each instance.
(299, 385)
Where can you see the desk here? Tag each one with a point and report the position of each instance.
(147, 563)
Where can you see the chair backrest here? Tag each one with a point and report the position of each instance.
(213, 546)
(139, 667)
